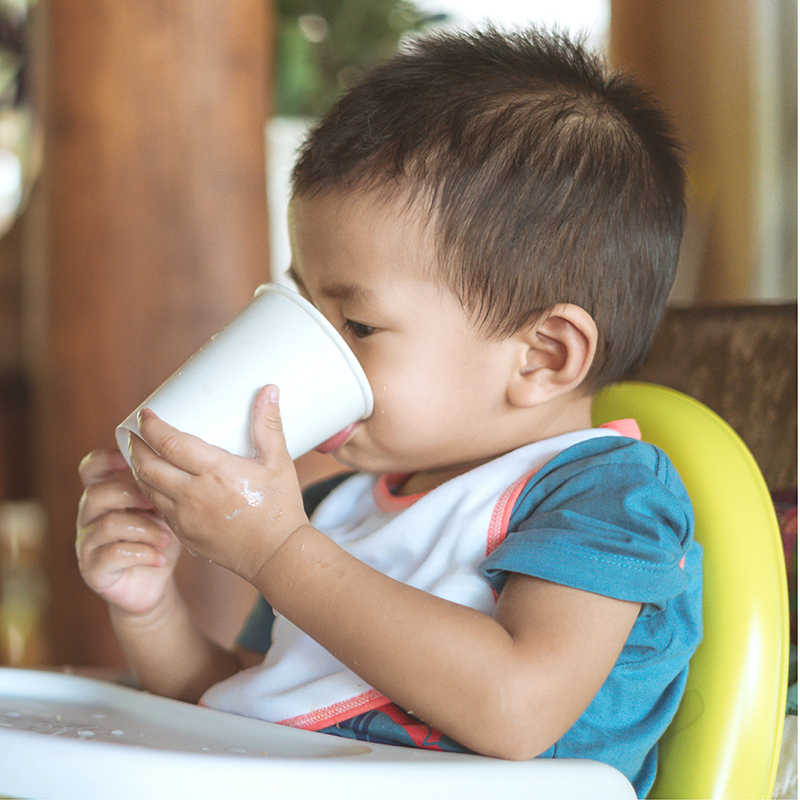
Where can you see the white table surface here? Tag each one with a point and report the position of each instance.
(68, 736)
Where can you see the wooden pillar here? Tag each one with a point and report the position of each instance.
(698, 57)
(148, 232)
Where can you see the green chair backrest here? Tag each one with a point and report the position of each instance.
(725, 739)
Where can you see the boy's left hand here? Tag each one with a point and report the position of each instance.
(231, 510)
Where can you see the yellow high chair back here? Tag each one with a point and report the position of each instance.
(725, 739)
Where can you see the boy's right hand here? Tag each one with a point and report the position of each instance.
(126, 552)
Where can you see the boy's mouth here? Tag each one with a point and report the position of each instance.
(336, 441)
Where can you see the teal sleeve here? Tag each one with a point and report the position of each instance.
(609, 516)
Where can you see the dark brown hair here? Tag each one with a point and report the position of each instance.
(550, 179)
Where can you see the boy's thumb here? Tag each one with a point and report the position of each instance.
(267, 424)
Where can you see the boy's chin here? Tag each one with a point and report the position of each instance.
(354, 458)
(346, 457)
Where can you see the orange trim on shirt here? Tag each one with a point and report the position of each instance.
(501, 515)
(338, 712)
(385, 498)
(626, 427)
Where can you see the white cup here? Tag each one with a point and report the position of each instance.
(278, 338)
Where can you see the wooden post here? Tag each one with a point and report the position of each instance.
(698, 56)
(149, 231)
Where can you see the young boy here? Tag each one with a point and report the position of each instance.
(493, 223)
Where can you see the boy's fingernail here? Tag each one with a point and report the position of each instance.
(131, 458)
(273, 393)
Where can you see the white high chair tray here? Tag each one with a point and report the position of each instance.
(65, 736)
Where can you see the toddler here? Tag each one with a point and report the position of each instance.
(492, 220)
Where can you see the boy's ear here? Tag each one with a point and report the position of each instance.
(554, 355)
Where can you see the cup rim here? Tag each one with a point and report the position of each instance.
(332, 333)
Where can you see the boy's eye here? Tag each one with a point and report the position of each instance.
(358, 329)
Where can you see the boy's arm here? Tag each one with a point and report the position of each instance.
(506, 685)
(169, 655)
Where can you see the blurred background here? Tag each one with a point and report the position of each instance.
(144, 155)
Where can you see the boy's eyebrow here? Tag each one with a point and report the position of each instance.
(342, 290)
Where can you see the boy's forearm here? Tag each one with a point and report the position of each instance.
(168, 654)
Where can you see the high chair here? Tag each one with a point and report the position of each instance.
(725, 739)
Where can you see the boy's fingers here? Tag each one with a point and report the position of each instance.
(110, 495)
(100, 465)
(121, 526)
(268, 436)
(182, 450)
(114, 557)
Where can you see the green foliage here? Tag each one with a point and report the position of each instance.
(323, 45)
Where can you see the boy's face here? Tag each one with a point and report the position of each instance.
(439, 385)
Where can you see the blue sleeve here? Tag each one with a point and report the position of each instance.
(609, 516)
(256, 633)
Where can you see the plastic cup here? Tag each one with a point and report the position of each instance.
(278, 338)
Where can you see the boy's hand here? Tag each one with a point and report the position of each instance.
(126, 553)
(232, 510)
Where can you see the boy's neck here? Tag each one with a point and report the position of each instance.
(565, 418)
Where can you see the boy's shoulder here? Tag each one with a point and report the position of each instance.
(608, 515)
(598, 459)
(616, 477)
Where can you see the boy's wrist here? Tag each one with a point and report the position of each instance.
(288, 566)
(126, 619)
